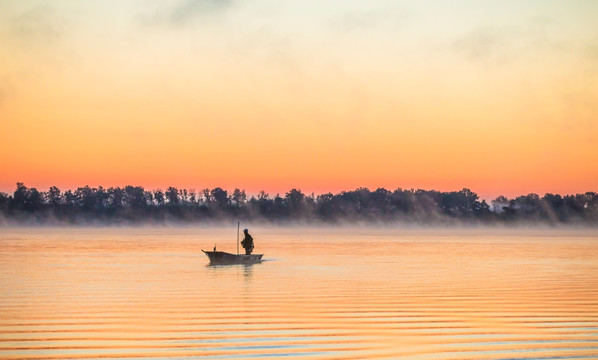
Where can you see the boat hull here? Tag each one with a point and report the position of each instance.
(224, 258)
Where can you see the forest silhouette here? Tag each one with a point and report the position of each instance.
(136, 205)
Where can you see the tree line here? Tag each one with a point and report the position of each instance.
(134, 204)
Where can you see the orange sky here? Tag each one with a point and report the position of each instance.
(321, 96)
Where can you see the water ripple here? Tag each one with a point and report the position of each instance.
(90, 295)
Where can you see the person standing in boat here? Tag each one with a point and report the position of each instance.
(247, 242)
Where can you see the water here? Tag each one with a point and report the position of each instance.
(321, 294)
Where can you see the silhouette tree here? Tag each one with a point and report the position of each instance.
(54, 196)
(4, 201)
(325, 207)
(86, 199)
(116, 197)
(193, 196)
(207, 195)
(19, 197)
(380, 202)
(172, 195)
(34, 200)
(294, 202)
(149, 197)
(159, 196)
(238, 197)
(135, 197)
(401, 201)
(499, 203)
(219, 197)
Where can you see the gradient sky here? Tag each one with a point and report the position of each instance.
(497, 96)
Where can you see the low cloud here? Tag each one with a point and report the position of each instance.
(374, 18)
(187, 12)
(592, 50)
(480, 43)
(38, 25)
(487, 43)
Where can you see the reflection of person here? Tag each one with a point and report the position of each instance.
(247, 242)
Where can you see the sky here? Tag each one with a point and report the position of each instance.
(500, 97)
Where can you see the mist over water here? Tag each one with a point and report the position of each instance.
(322, 293)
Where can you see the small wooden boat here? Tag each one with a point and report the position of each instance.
(224, 258)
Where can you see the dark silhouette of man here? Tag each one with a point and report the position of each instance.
(247, 242)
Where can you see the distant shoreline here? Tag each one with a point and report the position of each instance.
(135, 206)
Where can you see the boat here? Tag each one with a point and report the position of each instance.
(224, 258)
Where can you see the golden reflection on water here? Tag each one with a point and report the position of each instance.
(320, 294)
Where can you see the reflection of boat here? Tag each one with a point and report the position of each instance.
(224, 258)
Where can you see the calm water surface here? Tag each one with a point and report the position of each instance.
(321, 294)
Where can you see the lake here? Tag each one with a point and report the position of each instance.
(321, 293)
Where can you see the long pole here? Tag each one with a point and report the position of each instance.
(238, 226)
